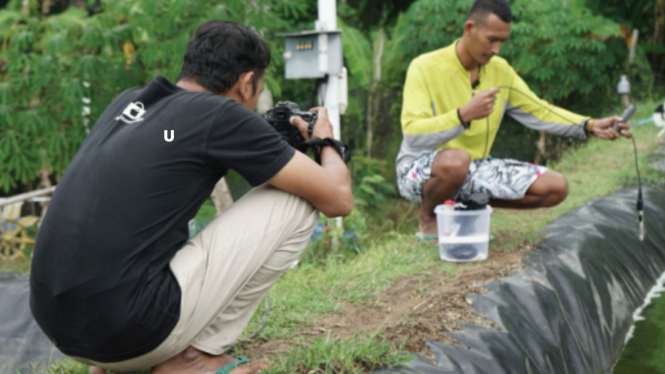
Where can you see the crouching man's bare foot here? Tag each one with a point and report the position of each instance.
(97, 370)
(428, 228)
(193, 361)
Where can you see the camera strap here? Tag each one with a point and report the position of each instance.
(316, 144)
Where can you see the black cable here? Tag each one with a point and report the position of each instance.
(640, 202)
(637, 167)
(487, 141)
(487, 134)
(536, 102)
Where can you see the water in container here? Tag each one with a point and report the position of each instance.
(463, 234)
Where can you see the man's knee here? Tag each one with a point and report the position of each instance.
(452, 165)
(267, 195)
(558, 190)
(293, 207)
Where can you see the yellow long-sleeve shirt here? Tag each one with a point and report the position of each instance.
(437, 85)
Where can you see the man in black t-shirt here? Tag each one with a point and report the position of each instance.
(115, 282)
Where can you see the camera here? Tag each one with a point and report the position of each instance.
(279, 116)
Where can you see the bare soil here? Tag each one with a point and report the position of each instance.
(415, 309)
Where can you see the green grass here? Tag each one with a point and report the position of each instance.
(323, 355)
(207, 212)
(388, 252)
(69, 366)
(18, 265)
(303, 295)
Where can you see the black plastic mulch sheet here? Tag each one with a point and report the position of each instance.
(570, 310)
(22, 343)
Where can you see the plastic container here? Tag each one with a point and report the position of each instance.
(463, 234)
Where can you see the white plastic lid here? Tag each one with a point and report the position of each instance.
(445, 209)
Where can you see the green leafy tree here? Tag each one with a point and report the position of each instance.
(376, 14)
(358, 60)
(59, 71)
(648, 17)
(367, 54)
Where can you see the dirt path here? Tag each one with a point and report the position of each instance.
(415, 309)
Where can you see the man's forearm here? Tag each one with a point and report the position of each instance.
(412, 125)
(334, 166)
(332, 162)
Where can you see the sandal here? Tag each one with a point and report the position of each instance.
(226, 369)
(427, 238)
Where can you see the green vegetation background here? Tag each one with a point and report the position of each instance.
(57, 54)
(56, 57)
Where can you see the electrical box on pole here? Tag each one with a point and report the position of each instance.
(313, 54)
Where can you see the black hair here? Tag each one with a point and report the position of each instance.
(220, 52)
(481, 9)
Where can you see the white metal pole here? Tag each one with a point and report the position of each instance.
(328, 21)
(327, 15)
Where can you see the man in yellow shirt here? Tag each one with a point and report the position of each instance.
(454, 101)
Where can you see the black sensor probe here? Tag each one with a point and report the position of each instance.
(640, 202)
(625, 117)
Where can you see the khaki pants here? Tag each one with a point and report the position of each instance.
(226, 269)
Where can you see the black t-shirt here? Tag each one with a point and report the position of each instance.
(101, 287)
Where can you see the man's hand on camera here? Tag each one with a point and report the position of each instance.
(322, 128)
(328, 185)
(480, 106)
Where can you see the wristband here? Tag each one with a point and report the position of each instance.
(317, 144)
(588, 127)
(466, 125)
